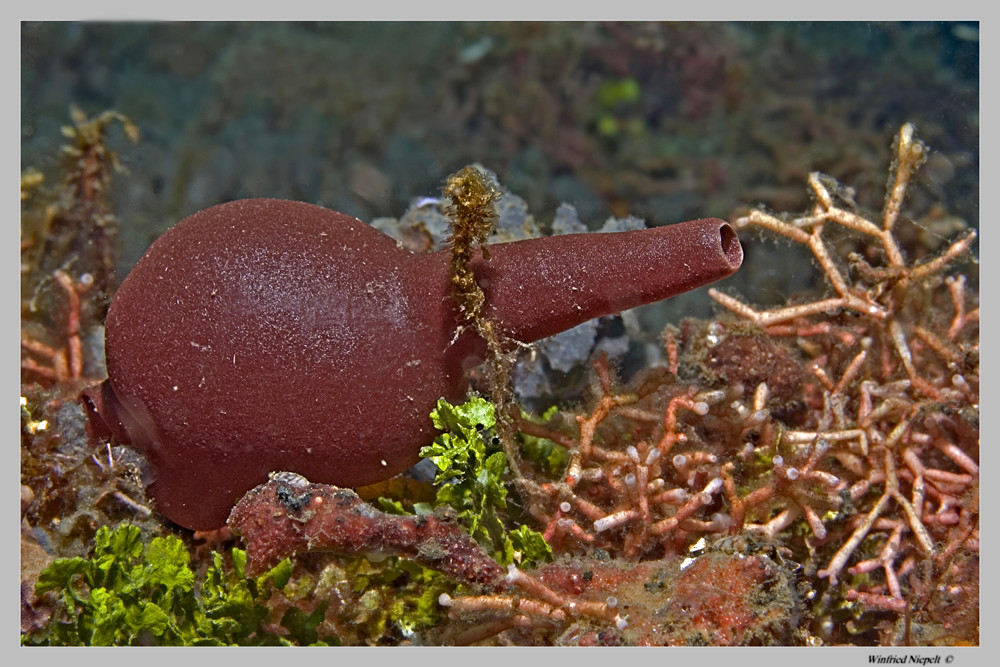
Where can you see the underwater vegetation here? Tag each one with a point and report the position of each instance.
(130, 593)
(819, 458)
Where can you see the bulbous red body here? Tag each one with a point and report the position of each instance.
(264, 335)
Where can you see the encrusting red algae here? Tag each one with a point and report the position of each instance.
(263, 334)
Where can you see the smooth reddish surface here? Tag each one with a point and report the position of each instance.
(264, 335)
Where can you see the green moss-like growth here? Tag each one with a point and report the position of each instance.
(470, 474)
(550, 458)
(393, 599)
(130, 593)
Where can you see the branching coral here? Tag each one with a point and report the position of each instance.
(845, 428)
(896, 398)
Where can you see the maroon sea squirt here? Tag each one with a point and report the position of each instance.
(264, 335)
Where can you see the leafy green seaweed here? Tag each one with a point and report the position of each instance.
(128, 593)
(550, 458)
(470, 479)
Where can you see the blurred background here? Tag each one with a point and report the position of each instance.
(663, 121)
